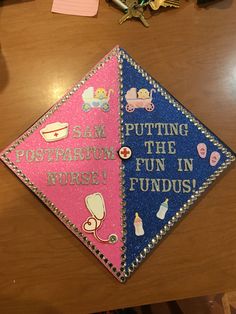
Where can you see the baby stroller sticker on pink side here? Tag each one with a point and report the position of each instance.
(96, 99)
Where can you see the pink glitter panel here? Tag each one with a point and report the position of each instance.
(81, 136)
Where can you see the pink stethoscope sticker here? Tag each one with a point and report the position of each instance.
(96, 205)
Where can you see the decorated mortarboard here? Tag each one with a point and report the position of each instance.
(119, 161)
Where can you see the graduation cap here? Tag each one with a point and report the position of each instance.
(119, 161)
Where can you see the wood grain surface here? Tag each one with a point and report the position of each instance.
(191, 51)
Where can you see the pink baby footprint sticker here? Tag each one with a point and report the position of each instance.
(202, 150)
(214, 158)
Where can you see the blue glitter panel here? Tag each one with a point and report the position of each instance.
(170, 159)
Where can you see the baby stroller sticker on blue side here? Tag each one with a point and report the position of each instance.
(140, 99)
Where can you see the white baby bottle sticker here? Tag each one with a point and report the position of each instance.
(163, 209)
(138, 225)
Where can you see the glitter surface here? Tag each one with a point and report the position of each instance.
(147, 203)
(70, 198)
(69, 159)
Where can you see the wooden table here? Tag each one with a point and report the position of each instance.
(191, 51)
